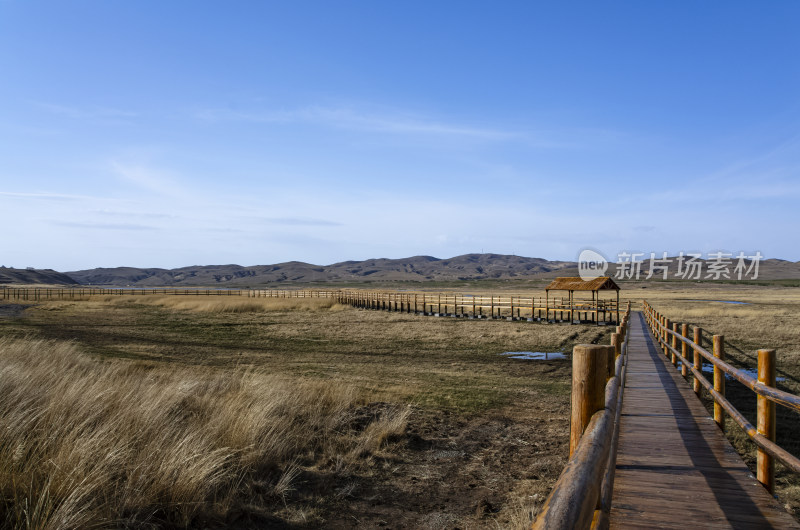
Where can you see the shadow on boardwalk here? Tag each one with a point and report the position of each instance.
(675, 468)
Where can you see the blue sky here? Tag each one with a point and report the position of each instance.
(180, 133)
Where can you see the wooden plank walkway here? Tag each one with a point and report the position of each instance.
(675, 468)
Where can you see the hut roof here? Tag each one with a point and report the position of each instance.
(564, 283)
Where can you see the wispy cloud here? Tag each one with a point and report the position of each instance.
(353, 119)
(84, 112)
(399, 122)
(299, 221)
(770, 174)
(156, 180)
(124, 213)
(50, 196)
(103, 226)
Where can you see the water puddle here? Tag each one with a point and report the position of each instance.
(752, 372)
(722, 301)
(535, 355)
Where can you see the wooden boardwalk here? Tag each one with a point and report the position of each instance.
(675, 468)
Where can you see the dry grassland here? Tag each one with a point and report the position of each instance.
(173, 411)
(89, 443)
(382, 418)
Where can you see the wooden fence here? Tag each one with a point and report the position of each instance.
(582, 495)
(74, 293)
(512, 307)
(669, 334)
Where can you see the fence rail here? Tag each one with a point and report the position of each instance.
(582, 495)
(514, 307)
(763, 433)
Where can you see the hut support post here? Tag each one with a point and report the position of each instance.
(547, 306)
(571, 305)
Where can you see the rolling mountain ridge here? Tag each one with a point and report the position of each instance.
(412, 269)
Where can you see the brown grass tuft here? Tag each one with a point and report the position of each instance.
(86, 443)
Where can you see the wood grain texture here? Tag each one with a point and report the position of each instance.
(675, 468)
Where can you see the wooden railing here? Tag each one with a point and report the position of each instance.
(514, 307)
(581, 498)
(72, 293)
(669, 334)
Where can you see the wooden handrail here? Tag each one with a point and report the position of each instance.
(581, 497)
(762, 436)
(497, 306)
(786, 399)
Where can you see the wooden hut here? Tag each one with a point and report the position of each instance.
(572, 284)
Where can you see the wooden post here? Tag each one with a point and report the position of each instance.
(665, 335)
(571, 317)
(547, 306)
(589, 368)
(656, 324)
(684, 349)
(766, 419)
(616, 340)
(719, 380)
(674, 357)
(698, 365)
(617, 306)
(610, 364)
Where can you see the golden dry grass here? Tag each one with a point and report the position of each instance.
(235, 304)
(437, 364)
(441, 366)
(86, 443)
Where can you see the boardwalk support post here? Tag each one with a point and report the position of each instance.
(610, 362)
(589, 374)
(766, 419)
(698, 339)
(616, 340)
(719, 380)
(673, 357)
(684, 349)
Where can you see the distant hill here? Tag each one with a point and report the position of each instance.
(413, 269)
(34, 276)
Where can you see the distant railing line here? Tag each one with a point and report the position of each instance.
(514, 307)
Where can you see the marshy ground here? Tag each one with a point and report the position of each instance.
(347, 417)
(481, 443)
